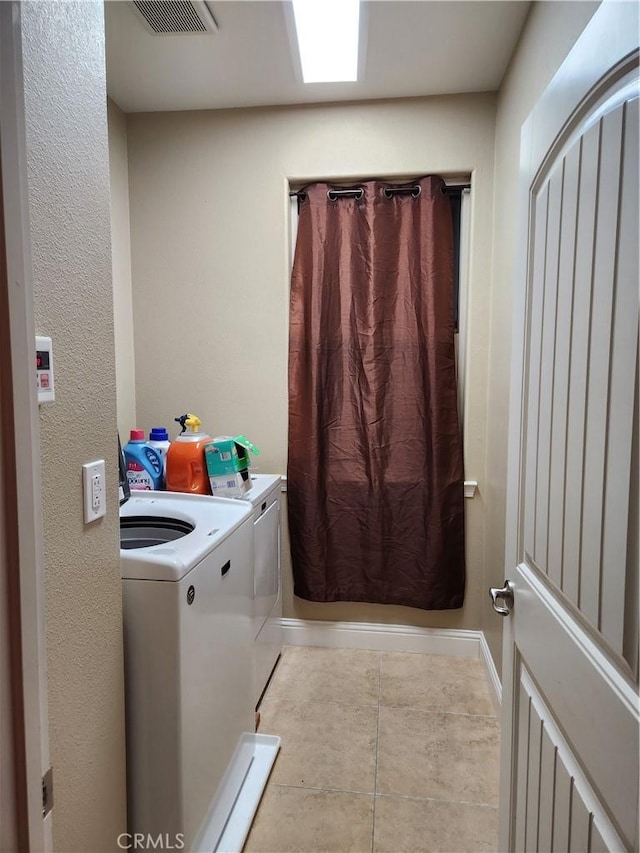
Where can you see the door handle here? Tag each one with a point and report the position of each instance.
(506, 595)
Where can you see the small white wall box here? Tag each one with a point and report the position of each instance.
(44, 370)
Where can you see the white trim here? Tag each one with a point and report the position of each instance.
(462, 335)
(380, 637)
(495, 685)
(27, 425)
(293, 230)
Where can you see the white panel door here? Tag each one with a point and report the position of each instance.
(570, 661)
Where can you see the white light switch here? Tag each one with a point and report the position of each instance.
(95, 500)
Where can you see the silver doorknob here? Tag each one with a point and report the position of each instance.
(505, 595)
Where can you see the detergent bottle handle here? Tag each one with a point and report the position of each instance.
(188, 420)
(182, 420)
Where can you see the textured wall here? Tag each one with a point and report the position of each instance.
(210, 265)
(549, 33)
(68, 174)
(121, 257)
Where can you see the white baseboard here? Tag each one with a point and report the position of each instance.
(379, 637)
(495, 685)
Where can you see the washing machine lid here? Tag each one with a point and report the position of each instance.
(213, 519)
(261, 486)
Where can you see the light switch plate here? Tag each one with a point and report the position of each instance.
(93, 483)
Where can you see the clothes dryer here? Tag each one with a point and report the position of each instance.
(265, 498)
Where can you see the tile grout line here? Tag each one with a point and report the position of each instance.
(321, 702)
(478, 803)
(325, 790)
(414, 708)
(437, 800)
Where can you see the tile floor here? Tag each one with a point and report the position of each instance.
(382, 752)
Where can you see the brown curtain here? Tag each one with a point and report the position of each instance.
(375, 476)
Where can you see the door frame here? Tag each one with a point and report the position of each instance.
(22, 484)
(606, 51)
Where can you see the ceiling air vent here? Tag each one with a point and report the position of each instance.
(174, 17)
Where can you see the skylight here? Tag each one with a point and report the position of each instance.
(328, 39)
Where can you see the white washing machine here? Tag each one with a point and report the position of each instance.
(264, 497)
(187, 567)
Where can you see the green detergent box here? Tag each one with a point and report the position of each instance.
(228, 455)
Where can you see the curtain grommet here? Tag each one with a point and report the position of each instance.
(355, 192)
(389, 192)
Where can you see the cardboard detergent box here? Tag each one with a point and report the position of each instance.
(230, 485)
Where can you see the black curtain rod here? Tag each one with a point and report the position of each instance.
(356, 192)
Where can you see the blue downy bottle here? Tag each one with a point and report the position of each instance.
(144, 463)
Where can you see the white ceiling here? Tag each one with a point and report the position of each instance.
(408, 48)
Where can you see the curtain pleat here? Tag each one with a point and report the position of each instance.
(375, 472)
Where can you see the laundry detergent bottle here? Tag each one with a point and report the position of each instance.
(159, 440)
(186, 466)
(143, 463)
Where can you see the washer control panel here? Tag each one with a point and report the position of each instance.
(44, 370)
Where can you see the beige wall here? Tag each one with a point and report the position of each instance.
(549, 33)
(68, 194)
(121, 261)
(210, 266)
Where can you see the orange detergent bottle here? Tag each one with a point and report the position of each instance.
(186, 466)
